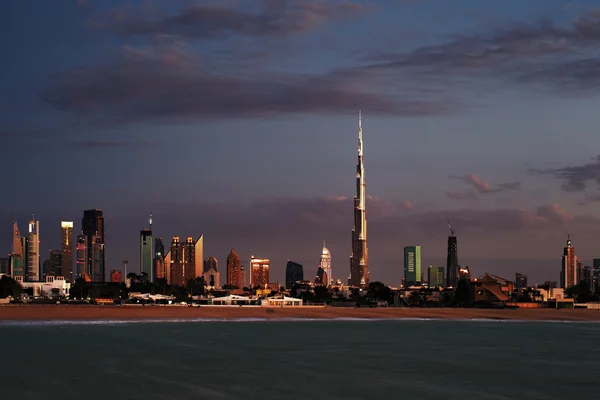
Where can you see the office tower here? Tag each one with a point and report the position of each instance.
(586, 276)
(66, 235)
(210, 263)
(92, 226)
(294, 272)
(146, 254)
(116, 276)
(520, 281)
(569, 266)
(17, 255)
(33, 251)
(158, 267)
(52, 265)
(243, 279)
(325, 263)
(436, 276)
(234, 270)
(5, 266)
(166, 265)
(189, 259)
(412, 265)
(259, 272)
(321, 278)
(82, 251)
(199, 257)
(452, 267)
(595, 274)
(359, 260)
(176, 254)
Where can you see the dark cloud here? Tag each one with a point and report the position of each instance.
(484, 187)
(274, 18)
(575, 178)
(462, 195)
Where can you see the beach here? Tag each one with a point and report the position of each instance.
(93, 312)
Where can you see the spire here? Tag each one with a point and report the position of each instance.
(360, 151)
(151, 221)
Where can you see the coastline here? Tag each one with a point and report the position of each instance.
(93, 312)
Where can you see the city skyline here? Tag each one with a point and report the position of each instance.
(510, 158)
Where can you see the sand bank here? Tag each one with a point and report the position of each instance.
(84, 312)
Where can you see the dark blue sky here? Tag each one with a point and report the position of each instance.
(237, 119)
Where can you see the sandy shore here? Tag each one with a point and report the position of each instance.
(78, 312)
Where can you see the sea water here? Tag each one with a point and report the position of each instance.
(299, 359)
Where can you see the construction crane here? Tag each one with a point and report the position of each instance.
(451, 229)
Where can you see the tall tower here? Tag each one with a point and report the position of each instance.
(359, 261)
(92, 225)
(66, 234)
(33, 251)
(569, 266)
(412, 265)
(17, 254)
(234, 270)
(452, 267)
(325, 264)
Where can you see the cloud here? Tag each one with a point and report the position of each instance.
(462, 195)
(481, 186)
(575, 178)
(407, 205)
(275, 18)
(171, 84)
(106, 144)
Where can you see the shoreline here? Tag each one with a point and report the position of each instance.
(117, 313)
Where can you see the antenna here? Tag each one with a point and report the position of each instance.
(451, 229)
(150, 220)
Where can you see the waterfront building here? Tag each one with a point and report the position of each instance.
(92, 226)
(33, 251)
(325, 264)
(359, 260)
(520, 281)
(436, 276)
(569, 276)
(116, 276)
(412, 265)
(147, 253)
(234, 270)
(294, 272)
(66, 246)
(259, 272)
(52, 286)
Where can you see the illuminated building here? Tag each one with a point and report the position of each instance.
(82, 256)
(52, 265)
(32, 249)
(210, 263)
(165, 268)
(66, 234)
(464, 273)
(294, 272)
(146, 253)
(243, 279)
(92, 226)
(234, 271)
(325, 264)
(412, 265)
(569, 266)
(199, 257)
(189, 259)
(321, 278)
(452, 267)
(176, 261)
(520, 281)
(359, 261)
(17, 264)
(259, 272)
(116, 276)
(436, 276)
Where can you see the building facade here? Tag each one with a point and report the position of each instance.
(92, 226)
(294, 272)
(66, 246)
(147, 254)
(189, 259)
(176, 262)
(82, 252)
(210, 263)
(199, 256)
(452, 267)
(569, 276)
(52, 265)
(436, 276)
(412, 265)
(520, 281)
(359, 260)
(33, 251)
(595, 274)
(17, 255)
(98, 267)
(243, 278)
(325, 264)
(116, 276)
(259, 272)
(234, 270)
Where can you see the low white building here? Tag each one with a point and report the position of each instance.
(55, 286)
(234, 300)
(281, 302)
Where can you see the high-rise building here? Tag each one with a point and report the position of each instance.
(321, 278)
(17, 255)
(436, 276)
(243, 279)
(199, 257)
(595, 274)
(586, 275)
(158, 262)
(520, 281)
(234, 269)
(325, 264)
(92, 226)
(569, 266)
(294, 272)
(82, 251)
(359, 260)
(210, 263)
(166, 264)
(176, 255)
(189, 259)
(412, 265)
(52, 265)
(452, 267)
(66, 235)
(116, 276)
(33, 251)
(464, 273)
(259, 272)
(146, 254)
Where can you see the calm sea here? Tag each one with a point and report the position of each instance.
(337, 359)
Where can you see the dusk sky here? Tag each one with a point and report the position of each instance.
(238, 120)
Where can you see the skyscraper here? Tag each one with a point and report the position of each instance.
(189, 259)
(436, 276)
(176, 262)
(520, 281)
(259, 272)
(82, 251)
(33, 251)
(412, 265)
(210, 263)
(17, 256)
(243, 279)
(325, 263)
(52, 265)
(569, 266)
(452, 267)
(66, 234)
(359, 261)
(595, 274)
(234, 270)
(92, 226)
(294, 272)
(199, 257)
(146, 254)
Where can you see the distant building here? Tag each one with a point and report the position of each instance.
(259, 271)
(492, 288)
(189, 259)
(452, 268)
(596, 274)
(5, 266)
(325, 264)
(586, 276)
(210, 263)
(520, 281)
(82, 256)
(234, 270)
(464, 273)
(92, 226)
(97, 267)
(53, 264)
(436, 276)
(116, 276)
(158, 263)
(243, 279)
(17, 255)
(294, 272)
(412, 265)
(569, 266)
(321, 278)
(33, 251)
(212, 277)
(147, 254)
(66, 234)
(165, 271)
(52, 286)
(176, 269)
(199, 257)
